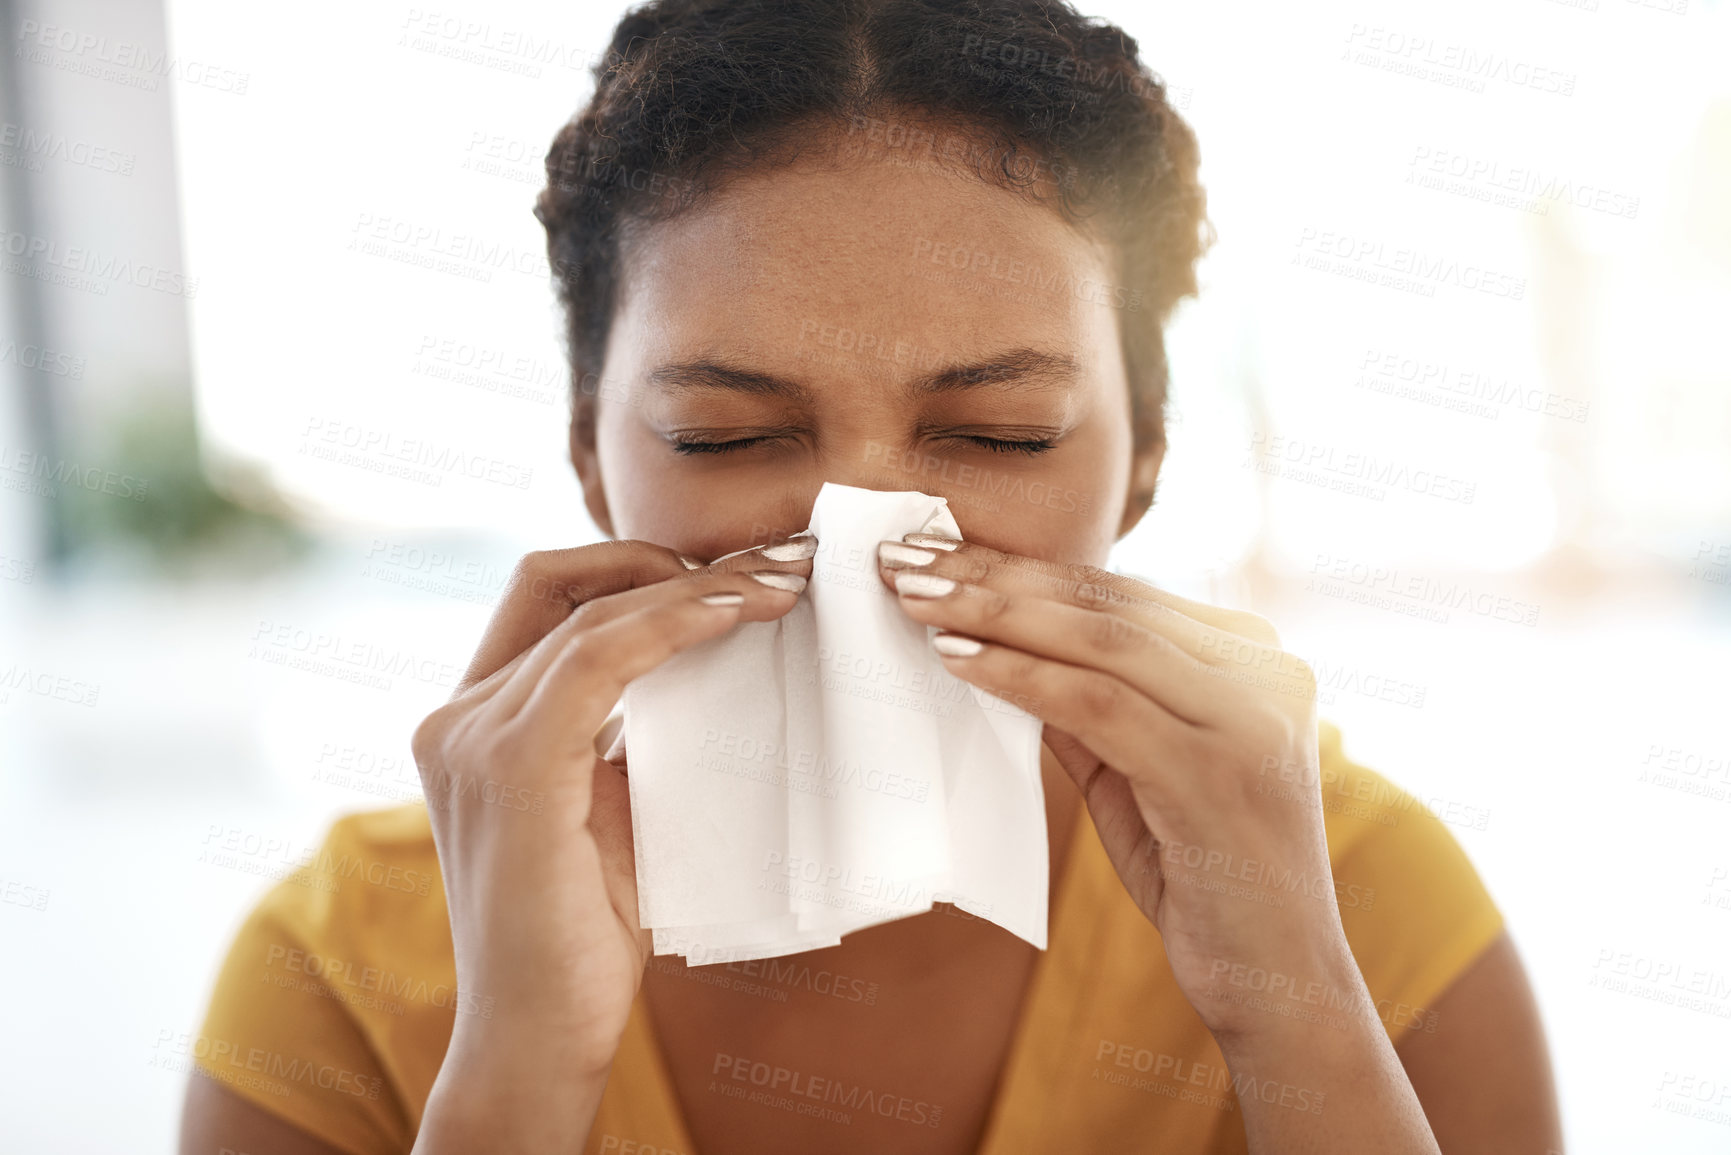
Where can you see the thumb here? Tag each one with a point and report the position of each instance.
(1079, 762)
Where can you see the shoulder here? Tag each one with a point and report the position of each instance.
(1415, 910)
(337, 997)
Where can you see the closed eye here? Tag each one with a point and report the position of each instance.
(688, 447)
(1030, 447)
(1004, 445)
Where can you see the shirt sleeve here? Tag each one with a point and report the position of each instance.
(289, 1043)
(1415, 911)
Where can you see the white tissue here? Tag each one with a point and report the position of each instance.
(797, 780)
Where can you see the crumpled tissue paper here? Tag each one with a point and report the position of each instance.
(797, 780)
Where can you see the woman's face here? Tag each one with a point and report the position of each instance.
(875, 325)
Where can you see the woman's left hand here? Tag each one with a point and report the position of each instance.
(1192, 737)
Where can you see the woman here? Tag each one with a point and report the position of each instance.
(898, 245)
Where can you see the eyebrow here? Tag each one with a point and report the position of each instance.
(1024, 368)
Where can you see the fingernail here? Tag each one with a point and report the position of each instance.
(799, 549)
(956, 646)
(607, 736)
(791, 582)
(894, 553)
(923, 585)
(722, 599)
(931, 540)
(690, 562)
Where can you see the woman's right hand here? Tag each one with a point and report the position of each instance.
(533, 829)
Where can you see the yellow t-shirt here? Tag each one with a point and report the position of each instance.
(336, 1002)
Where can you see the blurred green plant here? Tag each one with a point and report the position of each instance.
(163, 510)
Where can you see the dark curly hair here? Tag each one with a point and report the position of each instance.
(691, 90)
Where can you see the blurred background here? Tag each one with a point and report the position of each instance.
(1453, 409)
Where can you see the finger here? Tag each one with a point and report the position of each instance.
(784, 566)
(766, 592)
(590, 672)
(548, 584)
(1124, 727)
(1142, 658)
(1193, 626)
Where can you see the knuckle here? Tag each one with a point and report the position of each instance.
(583, 617)
(435, 731)
(1110, 633)
(529, 565)
(972, 567)
(533, 575)
(1092, 587)
(988, 604)
(1019, 668)
(427, 743)
(1099, 696)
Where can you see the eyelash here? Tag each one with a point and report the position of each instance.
(995, 444)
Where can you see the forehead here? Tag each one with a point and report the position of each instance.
(830, 252)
